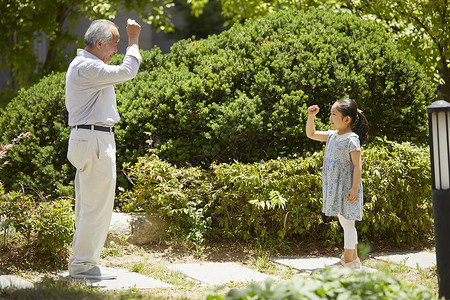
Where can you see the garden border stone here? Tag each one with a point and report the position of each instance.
(137, 228)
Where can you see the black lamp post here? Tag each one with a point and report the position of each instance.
(439, 125)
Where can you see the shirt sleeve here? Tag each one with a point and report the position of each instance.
(354, 143)
(102, 75)
(134, 51)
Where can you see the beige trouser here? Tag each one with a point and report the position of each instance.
(93, 154)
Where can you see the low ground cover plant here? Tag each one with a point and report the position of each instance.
(334, 283)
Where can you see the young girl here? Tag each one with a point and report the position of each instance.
(341, 173)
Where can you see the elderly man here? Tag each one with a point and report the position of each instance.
(92, 107)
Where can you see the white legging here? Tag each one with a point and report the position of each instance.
(350, 234)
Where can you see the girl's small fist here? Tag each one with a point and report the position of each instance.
(313, 110)
(352, 195)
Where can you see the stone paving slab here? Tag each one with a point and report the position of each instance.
(125, 280)
(14, 282)
(216, 273)
(410, 259)
(310, 264)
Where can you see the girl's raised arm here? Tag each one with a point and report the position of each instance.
(311, 128)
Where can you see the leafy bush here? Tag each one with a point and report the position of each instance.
(268, 201)
(44, 229)
(280, 200)
(241, 95)
(176, 193)
(333, 283)
(28, 228)
(397, 188)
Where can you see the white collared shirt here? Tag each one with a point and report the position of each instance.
(90, 96)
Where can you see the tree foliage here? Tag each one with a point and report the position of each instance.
(422, 27)
(23, 23)
(210, 21)
(238, 11)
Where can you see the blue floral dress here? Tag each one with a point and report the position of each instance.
(337, 176)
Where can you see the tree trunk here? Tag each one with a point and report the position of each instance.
(445, 77)
(446, 90)
(53, 47)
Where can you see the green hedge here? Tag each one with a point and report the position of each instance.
(280, 200)
(38, 164)
(240, 95)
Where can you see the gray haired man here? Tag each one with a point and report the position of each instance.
(92, 107)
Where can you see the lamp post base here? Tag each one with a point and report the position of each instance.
(441, 212)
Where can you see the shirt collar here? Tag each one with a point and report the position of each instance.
(84, 53)
(342, 137)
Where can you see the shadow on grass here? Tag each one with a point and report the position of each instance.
(63, 288)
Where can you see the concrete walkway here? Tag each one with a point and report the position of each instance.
(416, 259)
(214, 273)
(14, 282)
(125, 280)
(312, 264)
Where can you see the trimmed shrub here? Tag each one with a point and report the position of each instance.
(281, 200)
(240, 95)
(39, 164)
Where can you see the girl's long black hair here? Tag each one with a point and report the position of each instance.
(359, 124)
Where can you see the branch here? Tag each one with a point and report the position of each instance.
(433, 37)
(352, 4)
(422, 24)
(443, 13)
